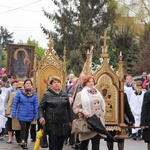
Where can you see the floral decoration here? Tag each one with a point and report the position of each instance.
(92, 91)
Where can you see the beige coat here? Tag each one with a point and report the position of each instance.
(95, 109)
(15, 122)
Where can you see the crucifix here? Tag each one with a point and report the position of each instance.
(50, 45)
(105, 37)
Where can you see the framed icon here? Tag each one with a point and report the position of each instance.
(20, 60)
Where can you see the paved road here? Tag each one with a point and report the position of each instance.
(129, 145)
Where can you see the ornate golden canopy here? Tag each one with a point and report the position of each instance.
(49, 65)
(111, 86)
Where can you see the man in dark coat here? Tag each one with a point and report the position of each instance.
(145, 119)
(130, 116)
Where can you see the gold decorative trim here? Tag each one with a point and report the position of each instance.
(50, 65)
(110, 94)
(110, 84)
(112, 128)
(26, 55)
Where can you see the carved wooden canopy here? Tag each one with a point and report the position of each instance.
(110, 84)
(49, 65)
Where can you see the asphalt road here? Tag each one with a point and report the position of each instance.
(129, 145)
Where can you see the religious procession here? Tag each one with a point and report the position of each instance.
(73, 110)
(89, 90)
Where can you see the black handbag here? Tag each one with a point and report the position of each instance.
(44, 142)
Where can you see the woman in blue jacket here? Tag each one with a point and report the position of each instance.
(25, 108)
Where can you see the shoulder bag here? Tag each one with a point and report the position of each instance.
(79, 125)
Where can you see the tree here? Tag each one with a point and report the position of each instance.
(5, 38)
(4, 59)
(79, 23)
(124, 40)
(143, 64)
(40, 51)
(75, 55)
(140, 9)
(137, 56)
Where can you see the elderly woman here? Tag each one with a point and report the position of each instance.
(14, 121)
(9, 121)
(89, 102)
(55, 113)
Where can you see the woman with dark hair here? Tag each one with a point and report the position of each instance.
(89, 102)
(55, 114)
(25, 105)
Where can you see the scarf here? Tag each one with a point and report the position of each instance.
(85, 99)
(28, 93)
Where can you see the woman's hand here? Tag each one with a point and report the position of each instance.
(42, 121)
(87, 115)
(83, 114)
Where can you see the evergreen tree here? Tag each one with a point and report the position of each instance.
(143, 59)
(125, 40)
(79, 23)
(5, 38)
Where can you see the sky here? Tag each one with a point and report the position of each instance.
(23, 18)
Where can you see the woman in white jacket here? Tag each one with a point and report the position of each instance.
(89, 102)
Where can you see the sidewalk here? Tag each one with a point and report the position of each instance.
(129, 145)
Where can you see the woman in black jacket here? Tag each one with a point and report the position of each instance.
(55, 114)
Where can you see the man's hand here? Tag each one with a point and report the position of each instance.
(143, 127)
(42, 121)
(69, 123)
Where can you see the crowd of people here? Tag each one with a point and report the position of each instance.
(137, 91)
(21, 113)
(18, 109)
